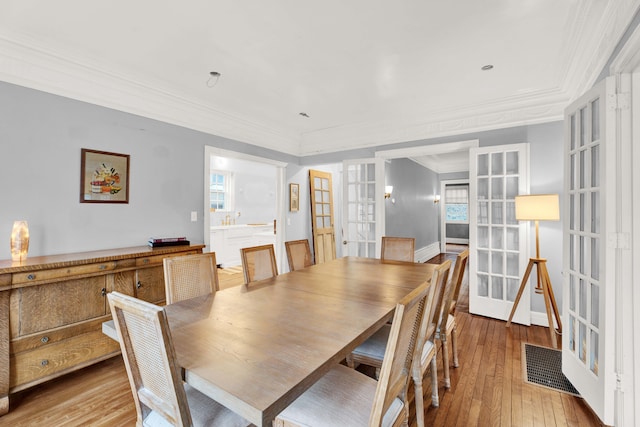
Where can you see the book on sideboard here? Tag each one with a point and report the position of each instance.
(170, 241)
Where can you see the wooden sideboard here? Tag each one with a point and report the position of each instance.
(52, 309)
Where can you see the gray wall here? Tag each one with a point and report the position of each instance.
(413, 214)
(40, 140)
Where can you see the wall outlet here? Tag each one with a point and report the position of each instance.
(194, 216)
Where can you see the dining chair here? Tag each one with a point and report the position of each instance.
(445, 327)
(372, 351)
(457, 276)
(398, 248)
(451, 330)
(160, 396)
(190, 276)
(258, 263)
(298, 254)
(346, 397)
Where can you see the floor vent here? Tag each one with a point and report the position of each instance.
(543, 367)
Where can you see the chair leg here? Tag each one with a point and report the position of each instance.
(445, 362)
(419, 399)
(350, 361)
(454, 346)
(435, 400)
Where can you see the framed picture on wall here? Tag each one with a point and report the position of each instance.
(104, 177)
(294, 197)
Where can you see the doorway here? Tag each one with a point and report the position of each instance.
(243, 203)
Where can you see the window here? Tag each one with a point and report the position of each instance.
(221, 190)
(456, 199)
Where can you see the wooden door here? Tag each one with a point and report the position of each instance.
(499, 244)
(324, 236)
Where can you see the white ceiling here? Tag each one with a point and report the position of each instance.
(366, 72)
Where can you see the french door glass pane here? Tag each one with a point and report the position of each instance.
(483, 164)
(497, 287)
(595, 120)
(483, 285)
(483, 261)
(496, 213)
(513, 239)
(593, 361)
(512, 163)
(512, 288)
(497, 188)
(497, 165)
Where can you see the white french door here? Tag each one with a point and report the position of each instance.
(498, 242)
(589, 250)
(363, 218)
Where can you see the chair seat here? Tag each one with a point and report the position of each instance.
(373, 348)
(343, 397)
(451, 321)
(427, 352)
(204, 412)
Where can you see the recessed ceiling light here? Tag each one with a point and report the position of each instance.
(303, 114)
(213, 78)
(487, 67)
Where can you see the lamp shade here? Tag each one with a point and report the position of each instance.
(538, 207)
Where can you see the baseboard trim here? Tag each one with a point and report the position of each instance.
(539, 318)
(456, 241)
(427, 252)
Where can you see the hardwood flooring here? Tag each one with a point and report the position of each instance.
(487, 389)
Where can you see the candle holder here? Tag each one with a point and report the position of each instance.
(19, 241)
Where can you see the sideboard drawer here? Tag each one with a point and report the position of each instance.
(61, 273)
(39, 364)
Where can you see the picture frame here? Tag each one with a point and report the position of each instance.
(294, 197)
(104, 177)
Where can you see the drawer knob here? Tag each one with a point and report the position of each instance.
(103, 267)
(31, 276)
(44, 340)
(45, 362)
(145, 261)
(139, 284)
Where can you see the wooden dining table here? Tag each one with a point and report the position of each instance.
(255, 348)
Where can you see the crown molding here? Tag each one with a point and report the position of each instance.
(537, 108)
(591, 44)
(25, 64)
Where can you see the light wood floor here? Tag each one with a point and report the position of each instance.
(487, 389)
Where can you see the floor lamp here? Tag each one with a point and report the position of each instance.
(539, 207)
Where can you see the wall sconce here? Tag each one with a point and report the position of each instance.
(388, 189)
(436, 199)
(19, 241)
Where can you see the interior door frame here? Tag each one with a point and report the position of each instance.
(280, 198)
(626, 69)
(423, 150)
(443, 212)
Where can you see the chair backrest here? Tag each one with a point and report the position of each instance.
(441, 282)
(398, 248)
(395, 370)
(428, 323)
(298, 254)
(149, 357)
(258, 263)
(456, 278)
(190, 276)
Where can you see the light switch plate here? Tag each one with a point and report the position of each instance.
(194, 216)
